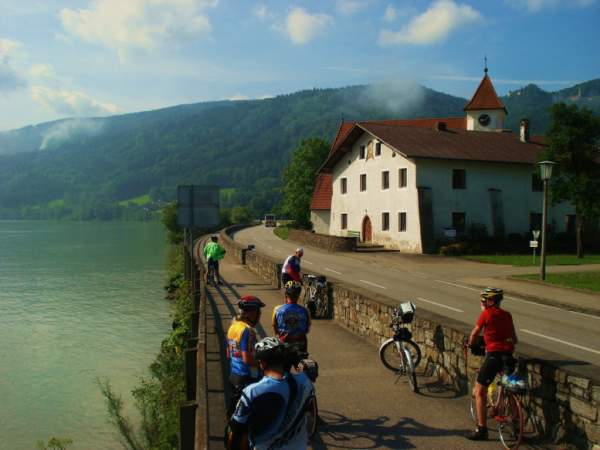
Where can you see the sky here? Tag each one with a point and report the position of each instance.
(81, 58)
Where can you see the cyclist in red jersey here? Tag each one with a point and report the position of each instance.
(500, 338)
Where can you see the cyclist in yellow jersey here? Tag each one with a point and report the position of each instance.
(241, 338)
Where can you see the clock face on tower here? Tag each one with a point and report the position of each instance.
(484, 120)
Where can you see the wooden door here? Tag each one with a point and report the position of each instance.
(367, 230)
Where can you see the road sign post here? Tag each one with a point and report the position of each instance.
(534, 244)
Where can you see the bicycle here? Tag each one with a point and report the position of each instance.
(298, 359)
(400, 353)
(504, 406)
(315, 296)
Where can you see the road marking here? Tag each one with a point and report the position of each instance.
(586, 315)
(561, 341)
(307, 261)
(439, 304)
(418, 274)
(373, 284)
(334, 271)
(457, 285)
(532, 303)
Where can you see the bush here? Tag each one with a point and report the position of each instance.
(455, 249)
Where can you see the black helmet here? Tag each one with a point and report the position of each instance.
(292, 290)
(249, 303)
(269, 349)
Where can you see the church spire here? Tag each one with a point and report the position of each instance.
(485, 70)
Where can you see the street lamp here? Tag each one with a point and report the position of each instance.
(545, 174)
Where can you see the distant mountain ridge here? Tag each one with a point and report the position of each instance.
(89, 168)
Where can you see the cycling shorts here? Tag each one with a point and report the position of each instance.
(494, 363)
(213, 264)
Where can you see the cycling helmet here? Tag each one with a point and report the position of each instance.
(292, 290)
(269, 349)
(249, 303)
(490, 293)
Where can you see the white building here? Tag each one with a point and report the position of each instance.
(407, 183)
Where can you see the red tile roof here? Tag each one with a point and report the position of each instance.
(321, 198)
(419, 142)
(485, 97)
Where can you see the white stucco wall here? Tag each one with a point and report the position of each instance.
(496, 123)
(514, 180)
(320, 221)
(375, 200)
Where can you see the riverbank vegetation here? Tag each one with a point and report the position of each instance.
(159, 395)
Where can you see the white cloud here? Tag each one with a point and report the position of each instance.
(349, 7)
(432, 26)
(10, 80)
(538, 5)
(390, 14)
(303, 27)
(42, 71)
(238, 97)
(65, 130)
(71, 103)
(262, 12)
(128, 25)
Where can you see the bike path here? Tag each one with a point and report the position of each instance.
(362, 404)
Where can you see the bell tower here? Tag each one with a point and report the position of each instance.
(485, 111)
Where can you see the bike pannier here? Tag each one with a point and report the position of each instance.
(406, 311)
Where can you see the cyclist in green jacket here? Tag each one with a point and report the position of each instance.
(213, 253)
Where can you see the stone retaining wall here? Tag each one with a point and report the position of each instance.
(564, 395)
(323, 241)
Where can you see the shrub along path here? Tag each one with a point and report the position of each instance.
(362, 404)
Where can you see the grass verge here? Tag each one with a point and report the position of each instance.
(578, 280)
(527, 260)
(282, 232)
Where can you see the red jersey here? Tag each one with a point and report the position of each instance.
(499, 330)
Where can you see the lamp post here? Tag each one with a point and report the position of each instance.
(545, 174)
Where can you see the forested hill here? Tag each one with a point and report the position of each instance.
(122, 166)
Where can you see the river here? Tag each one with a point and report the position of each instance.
(78, 301)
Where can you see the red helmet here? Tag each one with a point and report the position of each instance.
(249, 303)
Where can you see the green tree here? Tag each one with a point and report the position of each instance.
(573, 144)
(240, 214)
(299, 179)
(169, 220)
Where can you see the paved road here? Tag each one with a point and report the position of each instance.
(434, 283)
(363, 405)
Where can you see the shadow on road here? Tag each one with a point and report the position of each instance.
(338, 431)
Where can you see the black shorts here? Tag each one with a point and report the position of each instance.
(493, 363)
(213, 264)
(285, 277)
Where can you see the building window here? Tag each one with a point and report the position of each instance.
(402, 221)
(377, 148)
(459, 179)
(344, 185)
(362, 152)
(536, 183)
(535, 221)
(385, 180)
(385, 221)
(570, 223)
(458, 222)
(363, 182)
(344, 221)
(402, 178)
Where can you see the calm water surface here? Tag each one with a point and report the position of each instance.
(78, 301)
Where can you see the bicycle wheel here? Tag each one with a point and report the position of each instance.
(410, 370)
(320, 306)
(312, 413)
(391, 356)
(492, 399)
(510, 421)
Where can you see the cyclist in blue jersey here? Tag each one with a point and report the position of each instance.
(291, 321)
(241, 338)
(271, 413)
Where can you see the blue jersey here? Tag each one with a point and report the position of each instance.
(241, 337)
(272, 422)
(291, 320)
